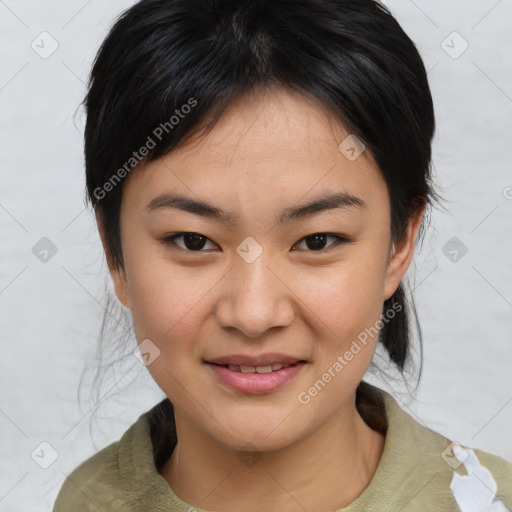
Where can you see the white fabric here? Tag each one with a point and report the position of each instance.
(475, 491)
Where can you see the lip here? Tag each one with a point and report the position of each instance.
(256, 383)
(260, 360)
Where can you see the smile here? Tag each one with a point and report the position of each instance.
(258, 369)
(256, 379)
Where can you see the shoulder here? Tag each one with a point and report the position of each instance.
(420, 467)
(452, 471)
(109, 479)
(93, 483)
(473, 474)
(490, 474)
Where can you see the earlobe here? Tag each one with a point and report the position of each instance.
(402, 254)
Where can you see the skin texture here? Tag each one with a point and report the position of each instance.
(269, 151)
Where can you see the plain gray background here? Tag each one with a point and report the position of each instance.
(50, 312)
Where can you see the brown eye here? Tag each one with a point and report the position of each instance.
(317, 241)
(192, 242)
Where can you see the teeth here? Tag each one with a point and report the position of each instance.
(264, 369)
(257, 369)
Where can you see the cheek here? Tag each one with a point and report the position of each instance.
(165, 309)
(163, 305)
(162, 295)
(345, 306)
(346, 298)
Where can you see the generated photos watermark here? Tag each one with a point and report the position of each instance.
(304, 397)
(143, 151)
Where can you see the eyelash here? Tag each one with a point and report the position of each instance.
(170, 241)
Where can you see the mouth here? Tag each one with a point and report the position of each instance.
(268, 368)
(259, 379)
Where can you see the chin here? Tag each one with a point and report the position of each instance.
(260, 435)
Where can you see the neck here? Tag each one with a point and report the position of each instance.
(326, 470)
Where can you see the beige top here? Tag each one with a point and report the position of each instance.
(415, 472)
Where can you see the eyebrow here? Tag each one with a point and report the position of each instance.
(323, 203)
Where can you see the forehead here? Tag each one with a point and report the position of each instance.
(272, 124)
(277, 145)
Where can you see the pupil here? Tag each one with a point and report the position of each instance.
(319, 241)
(193, 241)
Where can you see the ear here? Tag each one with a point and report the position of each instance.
(401, 255)
(118, 275)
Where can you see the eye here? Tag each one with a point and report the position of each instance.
(316, 242)
(193, 242)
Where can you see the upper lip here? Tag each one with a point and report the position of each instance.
(261, 360)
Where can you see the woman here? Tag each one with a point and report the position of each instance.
(260, 174)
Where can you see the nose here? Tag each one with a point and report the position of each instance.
(256, 298)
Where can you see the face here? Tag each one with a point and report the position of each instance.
(256, 273)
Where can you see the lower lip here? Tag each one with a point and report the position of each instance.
(255, 383)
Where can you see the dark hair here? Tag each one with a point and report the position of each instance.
(351, 55)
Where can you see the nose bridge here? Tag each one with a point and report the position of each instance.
(255, 300)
